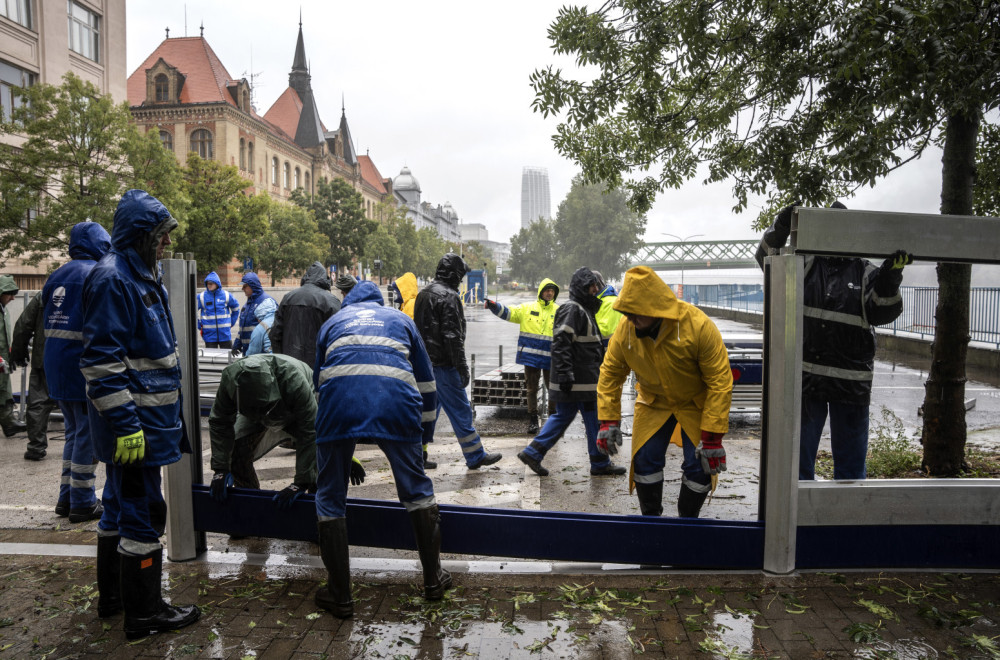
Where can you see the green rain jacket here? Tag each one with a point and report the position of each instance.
(269, 395)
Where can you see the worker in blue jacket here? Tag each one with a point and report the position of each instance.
(62, 305)
(248, 315)
(376, 385)
(129, 361)
(217, 312)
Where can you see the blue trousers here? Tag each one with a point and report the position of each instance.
(558, 422)
(79, 465)
(413, 487)
(133, 505)
(649, 461)
(452, 397)
(848, 435)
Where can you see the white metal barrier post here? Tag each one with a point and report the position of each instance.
(183, 543)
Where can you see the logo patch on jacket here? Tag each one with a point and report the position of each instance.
(534, 312)
(148, 300)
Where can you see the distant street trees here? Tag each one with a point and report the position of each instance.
(805, 101)
(291, 242)
(339, 211)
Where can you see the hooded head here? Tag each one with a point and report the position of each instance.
(645, 294)
(265, 310)
(88, 240)
(579, 289)
(548, 284)
(140, 222)
(451, 269)
(317, 275)
(364, 292)
(251, 280)
(345, 282)
(838, 205)
(406, 284)
(600, 279)
(8, 287)
(214, 279)
(257, 392)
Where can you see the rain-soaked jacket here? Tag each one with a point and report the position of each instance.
(683, 371)
(302, 313)
(260, 342)
(576, 342)
(406, 284)
(440, 317)
(374, 377)
(129, 347)
(7, 285)
(217, 311)
(265, 392)
(534, 344)
(607, 318)
(29, 328)
(62, 297)
(248, 316)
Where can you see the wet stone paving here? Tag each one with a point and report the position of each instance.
(48, 610)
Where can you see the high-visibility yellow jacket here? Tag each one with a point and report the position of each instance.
(607, 318)
(684, 371)
(534, 344)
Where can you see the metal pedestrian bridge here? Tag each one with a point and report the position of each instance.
(696, 255)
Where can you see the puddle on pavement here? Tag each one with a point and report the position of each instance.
(903, 649)
(731, 633)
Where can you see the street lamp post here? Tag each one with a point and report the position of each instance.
(682, 240)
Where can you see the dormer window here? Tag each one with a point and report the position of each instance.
(162, 85)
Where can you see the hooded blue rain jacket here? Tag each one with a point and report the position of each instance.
(374, 377)
(217, 311)
(62, 300)
(129, 347)
(248, 315)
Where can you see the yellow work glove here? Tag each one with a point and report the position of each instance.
(130, 449)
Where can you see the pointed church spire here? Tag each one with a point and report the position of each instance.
(299, 62)
(309, 132)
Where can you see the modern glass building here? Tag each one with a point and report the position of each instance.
(535, 202)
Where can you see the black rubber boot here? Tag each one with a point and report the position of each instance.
(427, 530)
(428, 463)
(689, 502)
(14, 427)
(650, 498)
(532, 424)
(109, 602)
(145, 612)
(335, 597)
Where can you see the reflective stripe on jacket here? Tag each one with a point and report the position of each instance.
(217, 311)
(534, 343)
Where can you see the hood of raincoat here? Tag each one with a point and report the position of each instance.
(317, 275)
(257, 389)
(606, 291)
(546, 283)
(450, 270)
(406, 284)
(8, 285)
(140, 221)
(88, 240)
(645, 294)
(364, 292)
(214, 278)
(579, 289)
(266, 309)
(254, 282)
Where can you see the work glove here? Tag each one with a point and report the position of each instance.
(463, 373)
(897, 260)
(221, 483)
(491, 305)
(609, 438)
(130, 449)
(712, 453)
(4, 367)
(285, 498)
(357, 472)
(566, 387)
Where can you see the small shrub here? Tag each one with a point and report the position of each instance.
(890, 454)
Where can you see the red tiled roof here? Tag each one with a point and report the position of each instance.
(371, 174)
(284, 112)
(205, 76)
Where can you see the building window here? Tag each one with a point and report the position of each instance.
(298, 175)
(250, 156)
(84, 31)
(287, 172)
(308, 189)
(12, 77)
(162, 85)
(167, 139)
(274, 171)
(18, 11)
(201, 143)
(243, 154)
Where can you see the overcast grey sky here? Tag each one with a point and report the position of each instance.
(442, 87)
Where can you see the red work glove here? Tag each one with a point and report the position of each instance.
(491, 305)
(712, 453)
(609, 438)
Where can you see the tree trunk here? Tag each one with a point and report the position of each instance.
(944, 431)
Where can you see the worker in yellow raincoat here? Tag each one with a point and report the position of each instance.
(406, 291)
(683, 379)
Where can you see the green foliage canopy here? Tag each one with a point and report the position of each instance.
(339, 210)
(291, 243)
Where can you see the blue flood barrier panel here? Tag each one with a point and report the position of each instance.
(550, 535)
(898, 546)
